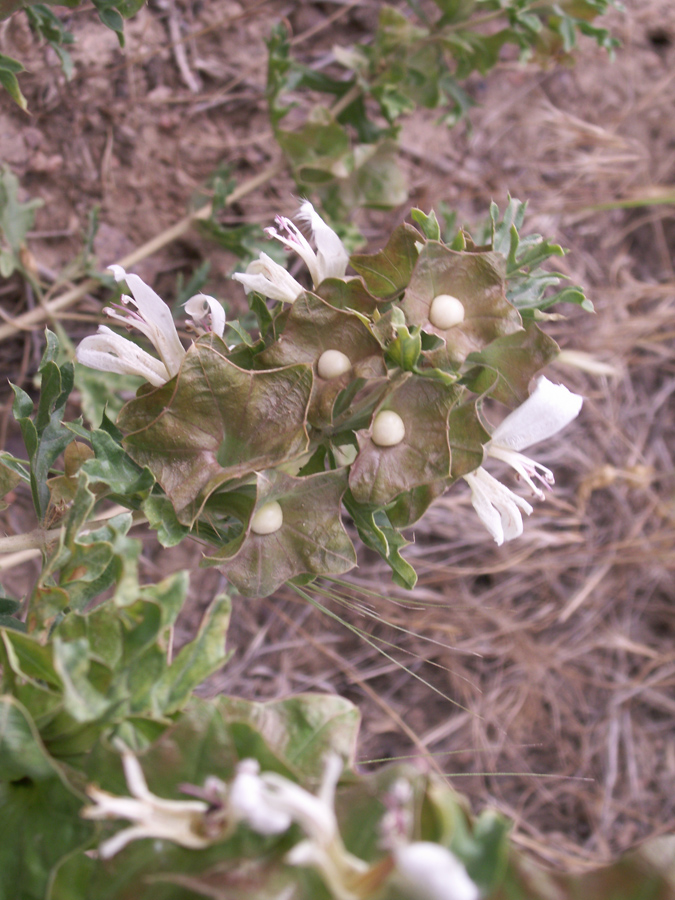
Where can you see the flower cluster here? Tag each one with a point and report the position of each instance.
(370, 383)
(269, 804)
(148, 313)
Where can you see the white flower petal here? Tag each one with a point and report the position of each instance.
(549, 408)
(118, 841)
(316, 818)
(295, 240)
(332, 258)
(160, 327)
(202, 306)
(118, 272)
(431, 872)
(268, 278)
(246, 801)
(110, 352)
(498, 508)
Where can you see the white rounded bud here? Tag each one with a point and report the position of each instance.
(388, 429)
(446, 311)
(268, 519)
(333, 363)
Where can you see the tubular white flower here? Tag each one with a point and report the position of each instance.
(207, 314)
(267, 277)
(152, 317)
(549, 408)
(330, 259)
(110, 352)
(247, 802)
(431, 872)
(153, 817)
(498, 508)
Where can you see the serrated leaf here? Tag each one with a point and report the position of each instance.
(387, 273)
(216, 422)
(380, 473)
(311, 540)
(477, 281)
(313, 327)
(506, 367)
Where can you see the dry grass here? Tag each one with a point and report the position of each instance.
(556, 651)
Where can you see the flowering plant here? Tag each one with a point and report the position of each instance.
(365, 391)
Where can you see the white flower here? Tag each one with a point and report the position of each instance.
(179, 821)
(269, 803)
(498, 508)
(431, 872)
(266, 801)
(270, 279)
(549, 409)
(152, 317)
(330, 259)
(111, 352)
(207, 314)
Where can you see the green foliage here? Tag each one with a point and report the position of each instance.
(9, 68)
(44, 433)
(16, 218)
(345, 150)
(47, 25)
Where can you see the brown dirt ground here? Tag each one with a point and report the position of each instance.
(556, 651)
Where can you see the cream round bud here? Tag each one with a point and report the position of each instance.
(333, 363)
(446, 311)
(268, 519)
(388, 429)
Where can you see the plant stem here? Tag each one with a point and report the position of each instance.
(28, 320)
(41, 537)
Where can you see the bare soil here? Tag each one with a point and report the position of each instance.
(540, 675)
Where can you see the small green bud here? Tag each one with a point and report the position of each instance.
(446, 311)
(268, 519)
(388, 429)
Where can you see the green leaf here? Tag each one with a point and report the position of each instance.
(376, 531)
(506, 366)
(216, 422)
(40, 827)
(16, 218)
(198, 659)
(162, 519)
(9, 478)
(8, 79)
(22, 754)
(299, 730)
(81, 699)
(428, 224)
(387, 273)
